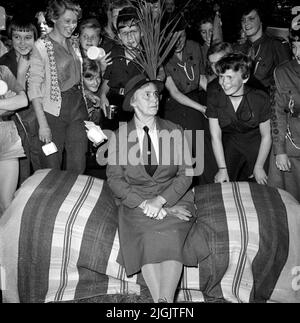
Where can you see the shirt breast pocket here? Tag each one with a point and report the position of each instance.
(293, 95)
(262, 67)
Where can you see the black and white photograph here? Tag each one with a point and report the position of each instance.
(149, 154)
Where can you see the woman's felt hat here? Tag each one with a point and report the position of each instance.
(136, 83)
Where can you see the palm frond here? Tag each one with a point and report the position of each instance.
(157, 40)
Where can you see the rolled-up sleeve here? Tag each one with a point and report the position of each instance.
(11, 81)
(37, 75)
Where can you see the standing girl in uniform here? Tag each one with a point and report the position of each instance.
(285, 160)
(239, 119)
(186, 104)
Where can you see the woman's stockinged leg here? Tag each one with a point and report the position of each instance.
(170, 275)
(162, 279)
(9, 174)
(151, 274)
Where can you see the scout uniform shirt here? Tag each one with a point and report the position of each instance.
(287, 78)
(286, 128)
(118, 74)
(240, 129)
(267, 53)
(186, 73)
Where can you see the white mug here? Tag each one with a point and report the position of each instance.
(95, 53)
(49, 149)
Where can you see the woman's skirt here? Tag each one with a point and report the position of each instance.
(147, 241)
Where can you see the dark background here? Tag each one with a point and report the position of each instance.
(277, 12)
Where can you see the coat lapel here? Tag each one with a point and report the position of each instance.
(131, 127)
(160, 126)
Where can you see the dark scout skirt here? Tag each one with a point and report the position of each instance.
(147, 241)
(191, 119)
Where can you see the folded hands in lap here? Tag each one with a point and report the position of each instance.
(154, 209)
(180, 212)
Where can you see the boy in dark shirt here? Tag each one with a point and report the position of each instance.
(123, 67)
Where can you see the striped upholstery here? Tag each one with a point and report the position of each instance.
(247, 230)
(59, 242)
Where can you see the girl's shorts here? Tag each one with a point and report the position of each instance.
(10, 141)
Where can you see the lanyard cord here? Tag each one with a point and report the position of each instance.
(257, 52)
(258, 61)
(289, 132)
(186, 72)
(291, 139)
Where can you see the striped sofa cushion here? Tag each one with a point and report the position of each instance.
(59, 242)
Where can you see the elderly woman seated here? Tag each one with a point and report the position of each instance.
(156, 213)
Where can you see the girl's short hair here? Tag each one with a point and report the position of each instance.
(236, 62)
(250, 6)
(23, 23)
(56, 8)
(90, 68)
(92, 23)
(205, 20)
(219, 47)
(119, 4)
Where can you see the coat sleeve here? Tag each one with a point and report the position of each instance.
(121, 189)
(11, 81)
